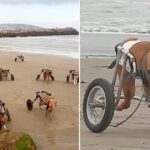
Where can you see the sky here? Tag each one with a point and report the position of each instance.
(43, 13)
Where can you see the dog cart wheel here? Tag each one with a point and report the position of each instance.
(98, 105)
(52, 77)
(12, 77)
(67, 79)
(38, 76)
(78, 80)
(1, 77)
(7, 114)
(29, 104)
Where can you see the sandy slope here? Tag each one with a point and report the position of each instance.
(59, 131)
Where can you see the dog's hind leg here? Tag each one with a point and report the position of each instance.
(4, 127)
(146, 84)
(128, 90)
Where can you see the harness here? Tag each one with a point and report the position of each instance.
(142, 73)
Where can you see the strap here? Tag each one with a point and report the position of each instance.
(112, 65)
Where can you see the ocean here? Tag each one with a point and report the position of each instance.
(115, 16)
(67, 45)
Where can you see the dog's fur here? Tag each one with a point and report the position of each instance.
(2, 122)
(138, 51)
(4, 73)
(74, 75)
(48, 99)
(47, 74)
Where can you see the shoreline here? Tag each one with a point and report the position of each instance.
(122, 33)
(44, 54)
(70, 50)
(102, 44)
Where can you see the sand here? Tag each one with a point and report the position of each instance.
(59, 131)
(133, 134)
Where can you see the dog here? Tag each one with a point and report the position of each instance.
(46, 97)
(4, 73)
(2, 121)
(139, 49)
(47, 74)
(74, 74)
(20, 57)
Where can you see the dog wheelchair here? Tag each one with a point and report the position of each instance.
(39, 99)
(4, 110)
(73, 75)
(100, 99)
(19, 57)
(46, 73)
(6, 75)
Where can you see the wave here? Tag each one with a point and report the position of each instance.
(66, 46)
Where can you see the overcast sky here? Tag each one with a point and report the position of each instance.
(44, 13)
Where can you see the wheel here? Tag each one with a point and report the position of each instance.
(52, 77)
(44, 75)
(8, 114)
(15, 59)
(38, 76)
(98, 105)
(12, 77)
(67, 79)
(78, 80)
(29, 104)
(1, 78)
(22, 59)
(47, 107)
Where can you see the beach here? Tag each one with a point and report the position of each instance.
(134, 133)
(57, 131)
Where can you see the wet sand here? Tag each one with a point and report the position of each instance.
(133, 134)
(59, 131)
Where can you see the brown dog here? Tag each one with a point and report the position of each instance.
(2, 122)
(138, 50)
(48, 99)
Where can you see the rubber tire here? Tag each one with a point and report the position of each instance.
(15, 59)
(52, 77)
(8, 114)
(78, 80)
(12, 77)
(38, 76)
(44, 76)
(1, 78)
(29, 104)
(22, 60)
(67, 79)
(47, 109)
(110, 105)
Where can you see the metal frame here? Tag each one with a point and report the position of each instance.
(125, 55)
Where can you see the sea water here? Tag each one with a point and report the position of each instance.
(67, 45)
(123, 16)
